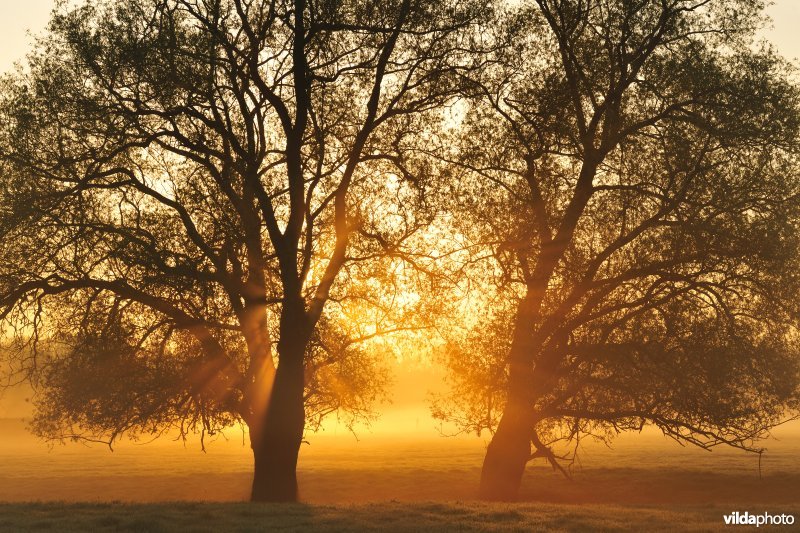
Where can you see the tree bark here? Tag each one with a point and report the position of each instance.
(507, 455)
(277, 443)
(510, 448)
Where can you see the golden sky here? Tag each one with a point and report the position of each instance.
(19, 20)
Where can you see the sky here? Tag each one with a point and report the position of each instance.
(18, 18)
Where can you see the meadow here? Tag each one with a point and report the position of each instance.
(388, 516)
(389, 483)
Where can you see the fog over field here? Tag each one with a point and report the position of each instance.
(638, 469)
(408, 265)
(403, 456)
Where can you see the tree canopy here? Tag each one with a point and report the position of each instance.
(630, 172)
(184, 182)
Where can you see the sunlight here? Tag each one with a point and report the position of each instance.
(523, 256)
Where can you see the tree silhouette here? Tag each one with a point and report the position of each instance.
(184, 182)
(631, 168)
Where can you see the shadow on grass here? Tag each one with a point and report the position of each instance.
(388, 516)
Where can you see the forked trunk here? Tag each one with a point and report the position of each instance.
(277, 443)
(507, 455)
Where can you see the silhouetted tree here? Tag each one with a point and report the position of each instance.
(184, 182)
(631, 168)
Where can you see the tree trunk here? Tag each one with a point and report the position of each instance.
(277, 443)
(507, 455)
(510, 448)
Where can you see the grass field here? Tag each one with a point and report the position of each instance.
(643, 483)
(390, 516)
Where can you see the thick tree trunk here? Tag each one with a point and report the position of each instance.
(277, 443)
(507, 455)
(510, 449)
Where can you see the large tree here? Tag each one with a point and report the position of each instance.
(630, 166)
(183, 183)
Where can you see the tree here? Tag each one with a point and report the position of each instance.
(633, 177)
(183, 184)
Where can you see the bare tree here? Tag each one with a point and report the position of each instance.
(630, 168)
(184, 182)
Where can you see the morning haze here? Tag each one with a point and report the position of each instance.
(470, 265)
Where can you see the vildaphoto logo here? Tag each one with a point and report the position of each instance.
(746, 519)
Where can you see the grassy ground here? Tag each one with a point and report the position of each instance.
(391, 516)
(644, 483)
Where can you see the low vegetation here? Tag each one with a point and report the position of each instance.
(390, 516)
